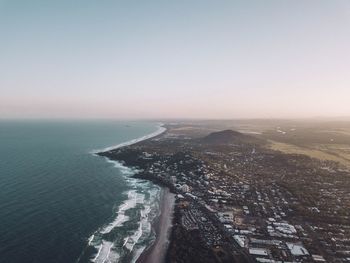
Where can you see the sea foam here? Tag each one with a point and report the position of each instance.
(135, 241)
(105, 253)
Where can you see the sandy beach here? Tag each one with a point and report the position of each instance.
(162, 225)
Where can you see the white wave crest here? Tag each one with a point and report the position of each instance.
(122, 218)
(106, 250)
(125, 170)
(134, 242)
(105, 253)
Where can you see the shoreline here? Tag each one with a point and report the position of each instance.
(161, 129)
(156, 252)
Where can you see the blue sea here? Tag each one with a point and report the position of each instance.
(59, 202)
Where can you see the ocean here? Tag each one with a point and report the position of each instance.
(59, 202)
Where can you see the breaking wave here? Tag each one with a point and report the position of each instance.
(130, 231)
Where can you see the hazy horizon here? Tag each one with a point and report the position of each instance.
(169, 60)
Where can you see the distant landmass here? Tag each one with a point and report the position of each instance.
(230, 196)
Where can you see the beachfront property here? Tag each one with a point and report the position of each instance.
(233, 198)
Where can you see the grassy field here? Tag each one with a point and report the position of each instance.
(325, 140)
(321, 152)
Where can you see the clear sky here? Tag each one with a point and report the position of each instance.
(168, 59)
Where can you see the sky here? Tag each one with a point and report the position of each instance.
(174, 59)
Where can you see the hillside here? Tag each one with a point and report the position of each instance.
(229, 137)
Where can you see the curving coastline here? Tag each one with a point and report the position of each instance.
(159, 225)
(161, 129)
(156, 252)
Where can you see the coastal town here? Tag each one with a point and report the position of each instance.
(239, 201)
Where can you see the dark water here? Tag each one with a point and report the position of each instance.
(54, 194)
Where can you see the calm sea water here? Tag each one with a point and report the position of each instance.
(60, 203)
